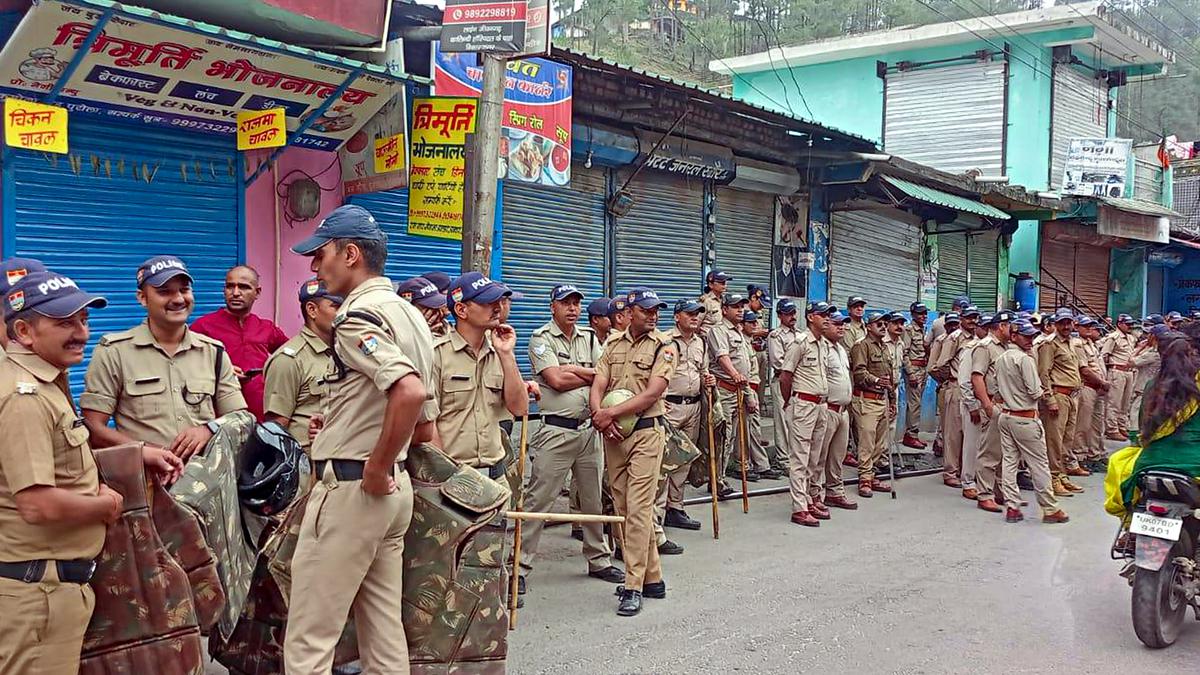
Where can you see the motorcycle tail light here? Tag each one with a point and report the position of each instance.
(1157, 509)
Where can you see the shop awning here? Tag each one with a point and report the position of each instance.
(939, 198)
(1141, 207)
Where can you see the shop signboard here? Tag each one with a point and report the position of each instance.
(484, 26)
(439, 165)
(359, 157)
(686, 157)
(35, 126)
(1096, 167)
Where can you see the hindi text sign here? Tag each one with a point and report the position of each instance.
(484, 26)
(439, 165)
(262, 129)
(35, 126)
(1096, 167)
(389, 154)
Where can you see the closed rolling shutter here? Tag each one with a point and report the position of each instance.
(876, 257)
(1058, 274)
(952, 133)
(952, 269)
(552, 235)
(96, 224)
(1080, 110)
(408, 254)
(659, 242)
(1075, 276)
(1147, 180)
(982, 269)
(1091, 277)
(745, 227)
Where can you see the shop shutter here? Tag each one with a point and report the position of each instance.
(1075, 276)
(1080, 110)
(876, 257)
(408, 254)
(1091, 278)
(1147, 180)
(659, 242)
(982, 268)
(552, 235)
(952, 269)
(98, 223)
(953, 133)
(1058, 274)
(745, 230)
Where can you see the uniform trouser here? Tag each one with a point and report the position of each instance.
(44, 625)
(729, 424)
(560, 451)
(633, 467)
(871, 419)
(833, 447)
(952, 431)
(756, 451)
(779, 454)
(972, 439)
(806, 426)
(1120, 397)
(912, 408)
(686, 418)
(1059, 429)
(1024, 440)
(1087, 434)
(349, 557)
(987, 464)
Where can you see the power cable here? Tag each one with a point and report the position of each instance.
(791, 73)
(782, 85)
(1187, 18)
(1172, 30)
(1035, 46)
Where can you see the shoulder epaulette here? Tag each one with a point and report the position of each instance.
(112, 338)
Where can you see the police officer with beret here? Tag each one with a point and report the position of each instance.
(717, 282)
(13, 270)
(425, 296)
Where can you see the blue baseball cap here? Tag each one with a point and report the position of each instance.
(1003, 316)
(474, 287)
(620, 303)
(820, 307)
(421, 292)
(1158, 330)
(688, 306)
(837, 317)
(1063, 314)
(756, 291)
(439, 279)
(970, 310)
(855, 300)
(645, 298)
(1026, 328)
(161, 269)
(1124, 318)
(564, 291)
(345, 222)
(952, 317)
(1153, 319)
(313, 289)
(49, 294)
(749, 316)
(733, 299)
(893, 317)
(1086, 321)
(961, 302)
(16, 269)
(877, 316)
(785, 306)
(599, 307)
(719, 275)
(918, 308)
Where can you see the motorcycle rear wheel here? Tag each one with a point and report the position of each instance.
(1159, 605)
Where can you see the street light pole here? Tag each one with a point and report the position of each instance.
(480, 227)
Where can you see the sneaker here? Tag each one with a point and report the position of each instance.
(1056, 517)
(669, 547)
(1013, 516)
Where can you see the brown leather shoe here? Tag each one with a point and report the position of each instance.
(970, 493)
(864, 491)
(1013, 516)
(989, 505)
(841, 502)
(952, 482)
(1071, 486)
(1060, 490)
(818, 514)
(1078, 471)
(850, 460)
(1056, 517)
(913, 442)
(1116, 437)
(805, 518)
(880, 486)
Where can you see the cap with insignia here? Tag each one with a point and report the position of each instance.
(345, 222)
(51, 295)
(599, 307)
(893, 317)
(1026, 328)
(15, 269)
(756, 291)
(421, 292)
(619, 304)
(837, 317)
(1174, 316)
(1003, 316)
(785, 306)
(719, 275)
(161, 269)
(564, 291)
(875, 317)
(313, 289)
(1063, 314)
(1124, 318)
(952, 317)
(439, 279)
(733, 299)
(918, 308)
(820, 307)
(854, 301)
(1158, 330)
(645, 298)
(749, 316)
(961, 302)
(474, 287)
(688, 306)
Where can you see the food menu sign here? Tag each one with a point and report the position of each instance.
(439, 165)
(535, 144)
(157, 74)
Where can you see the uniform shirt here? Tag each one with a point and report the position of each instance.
(468, 400)
(751, 356)
(778, 342)
(897, 351)
(44, 444)
(870, 360)
(935, 349)
(692, 365)
(1018, 380)
(1147, 365)
(712, 311)
(550, 347)
(249, 345)
(759, 344)
(376, 352)
(856, 332)
(725, 339)
(630, 364)
(151, 396)
(1117, 349)
(1089, 357)
(1058, 365)
(1041, 340)
(938, 329)
(950, 353)
(837, 371)
(983, 362)
(962, 373)
(916, 347)
(805, 359)
(295, 382)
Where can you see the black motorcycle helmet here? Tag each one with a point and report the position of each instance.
(269, 470)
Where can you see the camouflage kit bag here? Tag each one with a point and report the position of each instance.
(680, 451)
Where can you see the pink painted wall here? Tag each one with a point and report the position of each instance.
(281, 280)
(360, 16)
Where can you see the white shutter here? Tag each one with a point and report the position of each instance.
(745, 227)
(1080, 111)
(876, 257)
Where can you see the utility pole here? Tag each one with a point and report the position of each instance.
(480, 227)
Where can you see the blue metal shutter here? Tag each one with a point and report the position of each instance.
(408, 255)
(660, 241)
(745, 231)
(552, 235)
(98, 224)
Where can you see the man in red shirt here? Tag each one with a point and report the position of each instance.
(249, 339)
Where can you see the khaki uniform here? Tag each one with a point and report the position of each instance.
(870, 360)
(468, 402)
(1058, 368)
(1022, 437)
(805, 415)
(939, 394)
(916, 367)
(712, 311)
(896, 347)
(756, 452)
(634, 462)
(972, 433)
(152, 396)
(44, 444)
(350, 551)
(937, 329)
(684, 394)
(724, 339)
(294, 382)
(856, 332)
(988, 457)
(837, 418)
(1146, 365)
(1089, 427)
(948, 357)
(561, 449)
(1117, 351)
(778, 342)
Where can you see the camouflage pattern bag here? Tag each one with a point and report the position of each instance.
(454, 612)
(698, 474)
(680, 451)
(144, 619)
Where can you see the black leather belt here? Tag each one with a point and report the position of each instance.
(646, 423)
(507, 426)
(32, 571)
(343, 469)
(682, 400)
(563, 422)
(495, 471)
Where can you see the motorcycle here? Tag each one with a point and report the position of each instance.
(1161, 553)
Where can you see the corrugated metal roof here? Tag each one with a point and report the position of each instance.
(1141, 206)
(932, 196)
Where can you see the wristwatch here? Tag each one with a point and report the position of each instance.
(213, 426)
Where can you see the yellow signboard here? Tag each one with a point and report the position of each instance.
(389, 154)
(439, 165)
(261, 129)
(35, 126)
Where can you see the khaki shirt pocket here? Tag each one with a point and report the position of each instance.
(457, 392)
(199, 397)
(146, 397)
(75, 436)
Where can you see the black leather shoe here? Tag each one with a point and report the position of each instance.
(678, 518)
(669, 547)
(611, 574)
(656, 590)
(724, 491)
(631, 603)
(770, 474)
(520, 585)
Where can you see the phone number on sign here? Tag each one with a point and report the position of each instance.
(505, 13)
(203, 126)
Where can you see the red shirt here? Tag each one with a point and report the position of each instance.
(248, 345)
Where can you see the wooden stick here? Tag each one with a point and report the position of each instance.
(742, 432)
(563, 517)
(712, 467)
(516, 566)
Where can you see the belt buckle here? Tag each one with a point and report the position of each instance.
(91, 571)
(34, 571)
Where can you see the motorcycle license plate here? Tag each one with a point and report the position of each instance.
(1154, 526)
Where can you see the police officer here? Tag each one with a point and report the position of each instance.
(728, 362)
(1146, 364)
(945, 371)
(778, 342)
(804, 386)
(1058, 367)
(1022, 438)
(618, 315)
(874, 401)
(950, 323)
(915, 365)
(295, 374)
(856, 330)
(426, 297)
(760, 464)
(641, 361)
(970, 410)
(13, 270)
(717, 282)
(563, 357)
(598, 319)
(350, 551)
(684, 403)
(894, 339)
(984, 391)
(938, 328)
(759, 302)
(1174, 320)
(1089, 427)
(160, 382)
(440, 280)
(53, 508)
(837, 414)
